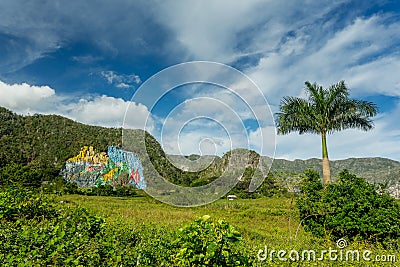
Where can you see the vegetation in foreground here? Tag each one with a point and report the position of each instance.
(77, 230)
(38, 231)
(350, 208)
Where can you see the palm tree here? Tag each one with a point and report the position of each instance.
(324, 112)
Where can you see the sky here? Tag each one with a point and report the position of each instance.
(118, 63)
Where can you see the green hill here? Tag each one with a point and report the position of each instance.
(42, 144)
(46, 141)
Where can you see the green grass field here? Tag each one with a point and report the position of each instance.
(271, 222)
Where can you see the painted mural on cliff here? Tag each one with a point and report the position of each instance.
(116, 167)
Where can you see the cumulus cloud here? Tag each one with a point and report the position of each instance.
(25, 98)
(96, 110)
(223, 119)
(361, 53)
(376, 77)
(225, 31)
(207, 28)
(283, 43)
(109, 111)
(199, 119)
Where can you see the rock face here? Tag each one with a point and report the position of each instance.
(116, 167)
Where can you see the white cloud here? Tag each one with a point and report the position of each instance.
(263, 140)
(221, 119)
(361, 53)
(377, 77)
(293, 41)
(98, 110)
(207, 28)
(120, 80)
(227, 30)
(123, 85)
(24, 98)
(109, 111)
(202, 142)
(382, 141)
(199, 119)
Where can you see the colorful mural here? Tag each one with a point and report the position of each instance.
(116, 167)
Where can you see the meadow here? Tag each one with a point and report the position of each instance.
(271, 223)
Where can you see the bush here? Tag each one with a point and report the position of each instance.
(19, 203)
(59, 186)
(209, 243)
(350, 208)
(34, 231)
(21, 174)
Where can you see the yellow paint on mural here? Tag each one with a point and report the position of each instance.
(109, 175)
(87, 154)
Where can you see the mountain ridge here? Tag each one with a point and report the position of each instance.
(47, 141)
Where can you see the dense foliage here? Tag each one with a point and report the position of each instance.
(59, 186)
(35, 230)
(350, 208)
(209, 243)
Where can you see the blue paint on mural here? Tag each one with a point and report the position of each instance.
(130, 163)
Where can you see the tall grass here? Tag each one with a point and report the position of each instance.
(266, 222)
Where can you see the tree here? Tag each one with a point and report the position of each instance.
(325, 111)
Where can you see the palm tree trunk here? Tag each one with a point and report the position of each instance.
(326, 170)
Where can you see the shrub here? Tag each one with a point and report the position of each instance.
(208, 243)
(34, 231)
(59, 186)
(18, 203)
(350, 208)
(22, 174)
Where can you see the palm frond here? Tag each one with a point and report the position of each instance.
(325, 110)
(295, 115)
(353, 113)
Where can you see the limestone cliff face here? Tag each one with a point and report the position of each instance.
(116, 167)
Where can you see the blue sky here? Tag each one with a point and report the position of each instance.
(86, 59)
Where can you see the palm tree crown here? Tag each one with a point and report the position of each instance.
(324, 111)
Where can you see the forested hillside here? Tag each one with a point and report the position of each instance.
(35, 148)
(44, 142)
